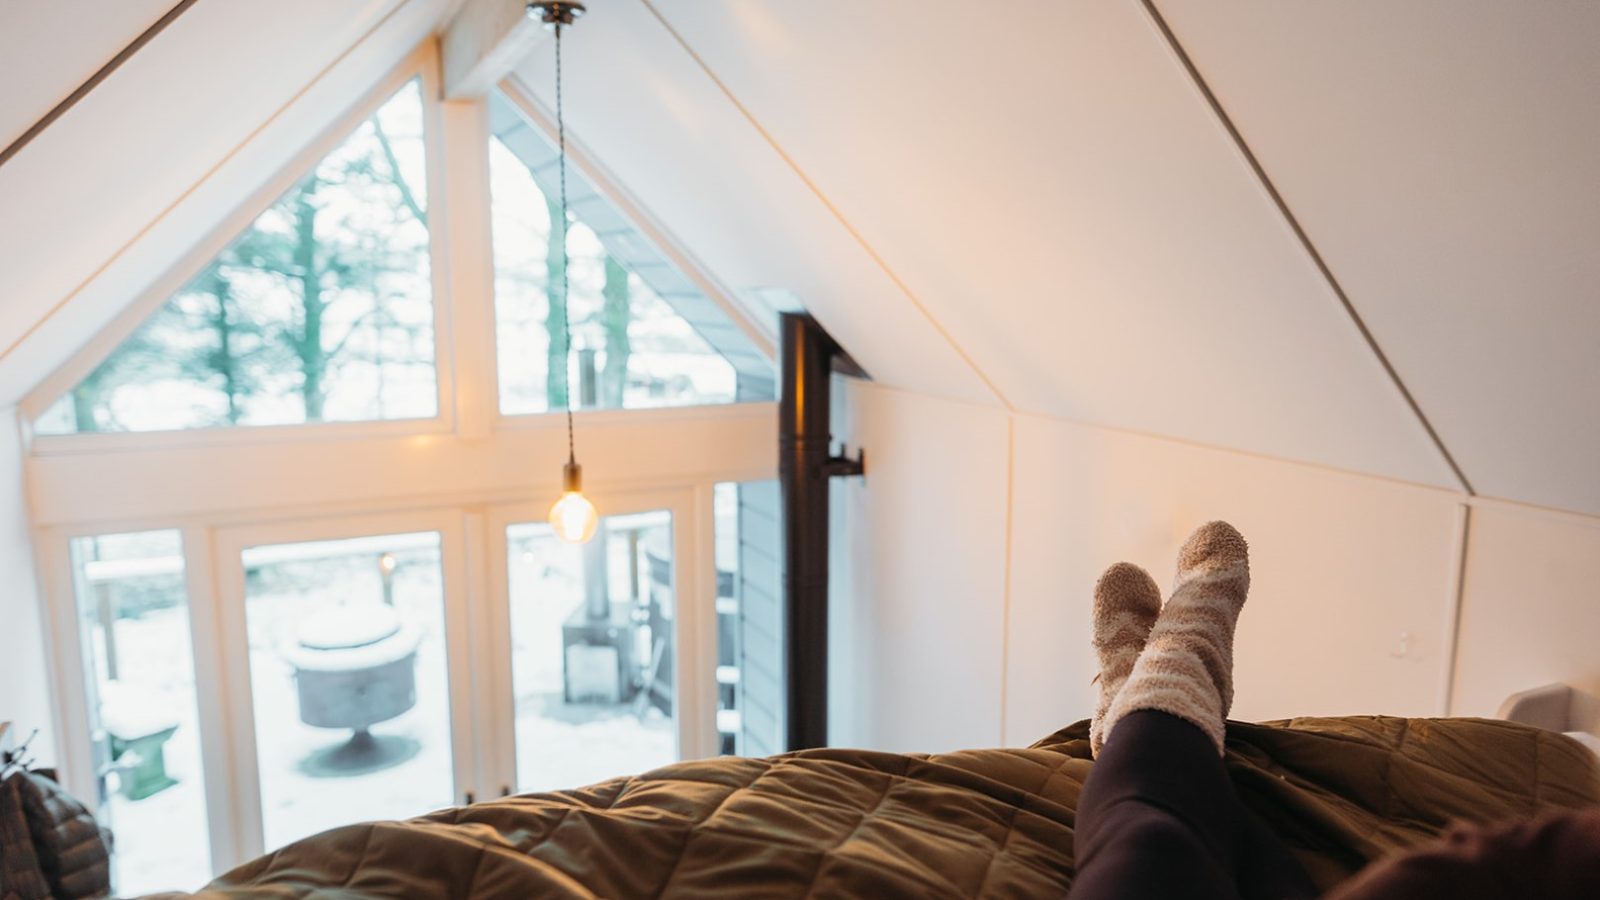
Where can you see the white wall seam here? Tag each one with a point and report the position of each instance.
(1458, 596)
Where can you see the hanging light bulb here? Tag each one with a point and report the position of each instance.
(573, 517)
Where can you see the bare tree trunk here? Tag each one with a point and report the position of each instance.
(308, 347)
(85, 397)
(556, 355)
(615, 316)
(223, 361)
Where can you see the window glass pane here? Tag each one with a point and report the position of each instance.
(751, 696)
(592, 642)
(134, 615)
(349, 681)
(321, 311)
(642, 334)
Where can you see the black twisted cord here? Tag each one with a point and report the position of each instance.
(566, 310)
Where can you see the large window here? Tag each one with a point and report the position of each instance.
(321, 311)
(642, 334)
(592, 648)
(372, 620)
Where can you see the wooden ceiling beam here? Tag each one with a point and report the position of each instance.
(483, 43)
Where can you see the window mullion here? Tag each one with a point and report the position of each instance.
(469, 262)
(211, 697)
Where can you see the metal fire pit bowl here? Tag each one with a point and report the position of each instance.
(356, 666)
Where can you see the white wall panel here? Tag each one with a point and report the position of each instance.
(919, 600)
(1341, 567)
(1350, 609)
(1531, 612)
(25, 697)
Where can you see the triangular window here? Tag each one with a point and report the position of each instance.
(321, 311)
(643, 334)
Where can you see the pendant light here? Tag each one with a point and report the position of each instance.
(573, 517)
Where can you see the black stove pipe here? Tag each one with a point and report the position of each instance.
(805, 464)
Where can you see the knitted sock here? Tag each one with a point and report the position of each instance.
(1186, 669)
(1126, 602)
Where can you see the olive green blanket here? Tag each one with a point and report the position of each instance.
(833, 823)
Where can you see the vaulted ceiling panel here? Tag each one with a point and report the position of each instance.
(1445, 157)
(1051, 185)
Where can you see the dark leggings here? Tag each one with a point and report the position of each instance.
(1158, 818)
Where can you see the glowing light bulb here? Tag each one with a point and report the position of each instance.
(573, 517)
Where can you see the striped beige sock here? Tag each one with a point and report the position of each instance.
(1186, 669)
(1126, 602)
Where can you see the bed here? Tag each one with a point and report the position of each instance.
(1341, 791)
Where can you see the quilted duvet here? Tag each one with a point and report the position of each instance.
(998, 823)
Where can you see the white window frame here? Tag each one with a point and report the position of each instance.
(244, 809)
(64, 620)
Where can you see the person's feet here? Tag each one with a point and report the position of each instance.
(1126, 602)
(1186, 668)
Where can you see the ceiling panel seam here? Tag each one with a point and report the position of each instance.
(100, 75)
(1176, 47)
(61, 304)
(857, 236)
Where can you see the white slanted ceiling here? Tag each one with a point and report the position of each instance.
(1038, 212)
(48, 49)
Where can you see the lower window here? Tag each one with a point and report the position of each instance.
(349, 681)
(134, 620)
(592, 651)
